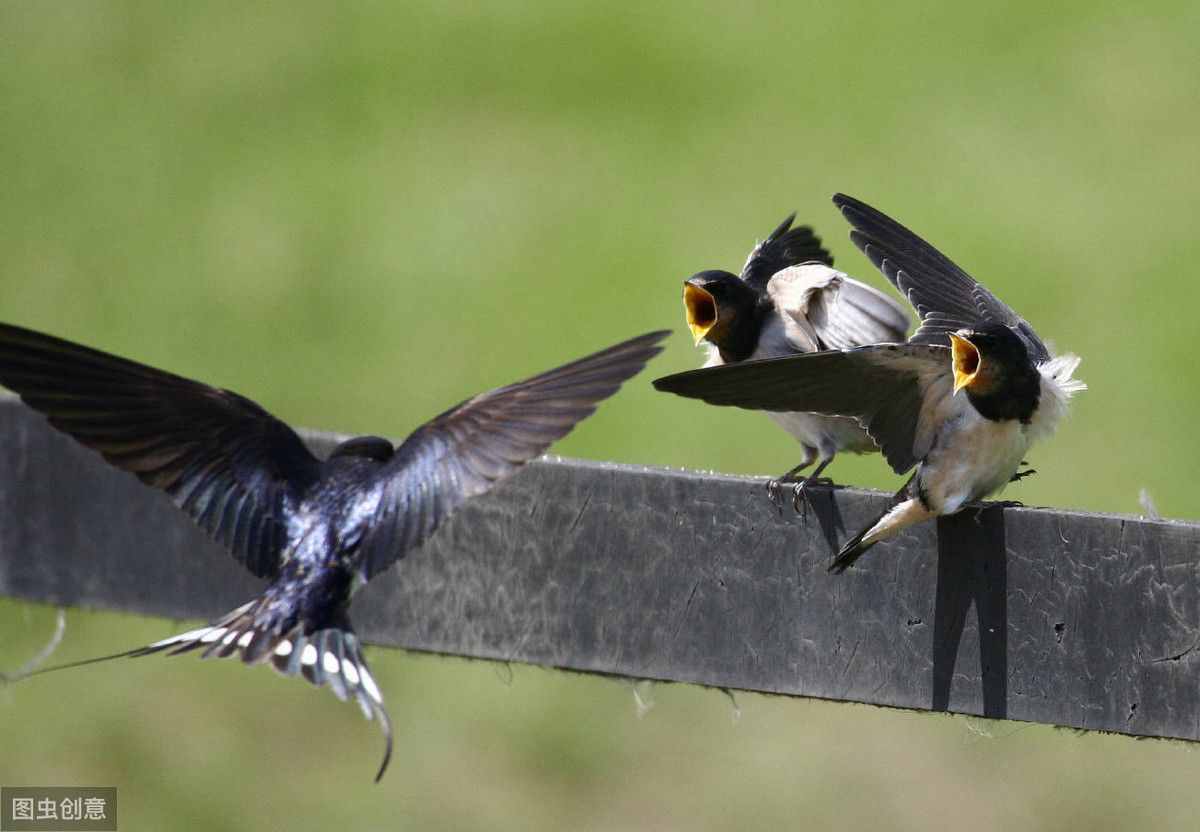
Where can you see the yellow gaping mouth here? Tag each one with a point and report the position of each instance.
(965, 360)
(701, 310)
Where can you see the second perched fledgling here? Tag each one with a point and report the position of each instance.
(790, 300)
(961, 401)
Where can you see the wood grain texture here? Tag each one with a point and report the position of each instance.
(1081, 620)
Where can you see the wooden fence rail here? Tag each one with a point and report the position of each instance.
(1081, 620)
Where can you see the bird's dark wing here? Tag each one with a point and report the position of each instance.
(946, 298)
(223, 459)
(786, 246)
(839, 311)
(469, 448)
(898, 392)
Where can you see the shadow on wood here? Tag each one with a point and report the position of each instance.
(688, 577)
(972, 572)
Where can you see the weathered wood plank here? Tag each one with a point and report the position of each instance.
(1072, 619)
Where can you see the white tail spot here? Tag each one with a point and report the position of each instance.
(370, 686)
(330, 663)
(308, 655)
(212, 635)
(191, 635)
(284, 648)
(230, 637)
(245, 639)
(351, 672)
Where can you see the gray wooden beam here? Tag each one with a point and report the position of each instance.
(1073, 619)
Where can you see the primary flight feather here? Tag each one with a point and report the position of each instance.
(316, 529)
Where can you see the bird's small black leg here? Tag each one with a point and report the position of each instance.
(774, 486)
(798, 490)
(980, 508)
(1021, 474)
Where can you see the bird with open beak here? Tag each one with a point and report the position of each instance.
(790, 300)
(962, 400)
(316, 529)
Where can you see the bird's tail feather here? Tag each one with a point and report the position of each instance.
(327, 657)
(853, 549)
(902, 512)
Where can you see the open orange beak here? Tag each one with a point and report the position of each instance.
(965, 360)
(701, 309)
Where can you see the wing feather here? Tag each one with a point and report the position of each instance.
(946, 297)
(223, 459)
(826, 309)
(468, 449)
(784, 247)
(884, 387)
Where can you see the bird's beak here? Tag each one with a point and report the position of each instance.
(965, 360)
(701, 309)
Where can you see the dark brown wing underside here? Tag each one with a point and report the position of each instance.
(877, 385)
(784, 247)
(222, 458)
(469, 448)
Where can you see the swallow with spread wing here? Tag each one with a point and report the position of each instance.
(316, 529)
(790, 300)
(962, 400)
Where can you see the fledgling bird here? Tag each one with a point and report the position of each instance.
(318, 530)
(790, 300)
(962, 400)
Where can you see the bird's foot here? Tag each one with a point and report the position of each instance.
(1020, 475)
(775, 486)
(773, 489)
(978, 509)
(799, 504)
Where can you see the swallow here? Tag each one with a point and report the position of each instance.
(790, 300)
(961, 401)
(316, 529)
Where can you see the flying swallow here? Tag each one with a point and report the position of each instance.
(961, 401)
(790, 300)
(316, 529)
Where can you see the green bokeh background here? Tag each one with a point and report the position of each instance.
(360, 214)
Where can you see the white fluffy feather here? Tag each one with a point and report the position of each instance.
(1058, 385)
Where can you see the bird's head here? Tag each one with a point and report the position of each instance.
(716, 303)
(369, 447)
(986, 360)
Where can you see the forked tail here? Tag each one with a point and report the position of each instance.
(900, 514)
(327, 657)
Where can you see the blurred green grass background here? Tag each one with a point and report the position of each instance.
(360, 214)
